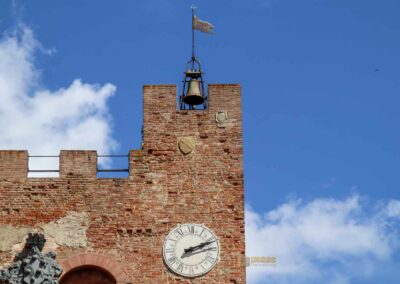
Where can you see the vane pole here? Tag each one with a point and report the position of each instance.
(193, 56)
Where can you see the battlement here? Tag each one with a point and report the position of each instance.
(13, 164)
(163, 127)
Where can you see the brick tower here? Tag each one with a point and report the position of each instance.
(189, 172)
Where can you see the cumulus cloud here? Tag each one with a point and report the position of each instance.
(393, 209)
(322, 241)
(44, 121)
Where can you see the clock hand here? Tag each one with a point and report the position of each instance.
(196, 252)
(189, 249)
(200, 246)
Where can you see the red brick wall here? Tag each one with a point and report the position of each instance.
(130, 217)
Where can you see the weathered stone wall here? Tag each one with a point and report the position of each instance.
(190, 170)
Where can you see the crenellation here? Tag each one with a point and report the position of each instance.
(74, 163)
(13, 164)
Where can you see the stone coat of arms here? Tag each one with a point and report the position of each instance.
(221, 117)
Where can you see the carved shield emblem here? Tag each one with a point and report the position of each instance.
(221, 117)
(186, 144)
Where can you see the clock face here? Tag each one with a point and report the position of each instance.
(191, 250)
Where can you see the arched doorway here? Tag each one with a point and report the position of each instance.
(87, 275)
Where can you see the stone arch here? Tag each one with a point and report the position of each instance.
(90, 262)
(87, 275)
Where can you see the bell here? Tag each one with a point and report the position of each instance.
(193, 96)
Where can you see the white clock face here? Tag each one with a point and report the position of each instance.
(191, 250)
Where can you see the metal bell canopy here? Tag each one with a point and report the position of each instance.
(193, 91)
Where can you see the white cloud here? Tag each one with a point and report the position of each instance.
(323, 241)
(393, 209)
(45, 121)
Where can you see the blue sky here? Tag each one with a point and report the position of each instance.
(321, 92)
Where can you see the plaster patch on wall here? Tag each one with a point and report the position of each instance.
(69, 231)
(165, 117)
(10, 236)
(156, 179)
(162, 197)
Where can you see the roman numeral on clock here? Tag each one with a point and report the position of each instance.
(180, 267)
(172, 260)
(180, 232)
(210, 259)
(201, 265)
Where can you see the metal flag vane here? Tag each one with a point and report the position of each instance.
(193, 92)
(199, 25)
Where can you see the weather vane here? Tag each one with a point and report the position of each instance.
(193, 92)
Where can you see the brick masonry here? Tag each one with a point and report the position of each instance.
(130, 217)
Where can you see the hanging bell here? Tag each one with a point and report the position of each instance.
(193, 96)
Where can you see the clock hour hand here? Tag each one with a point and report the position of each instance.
(200, 246)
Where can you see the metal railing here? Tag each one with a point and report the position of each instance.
(112, 170)
(43, 171)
